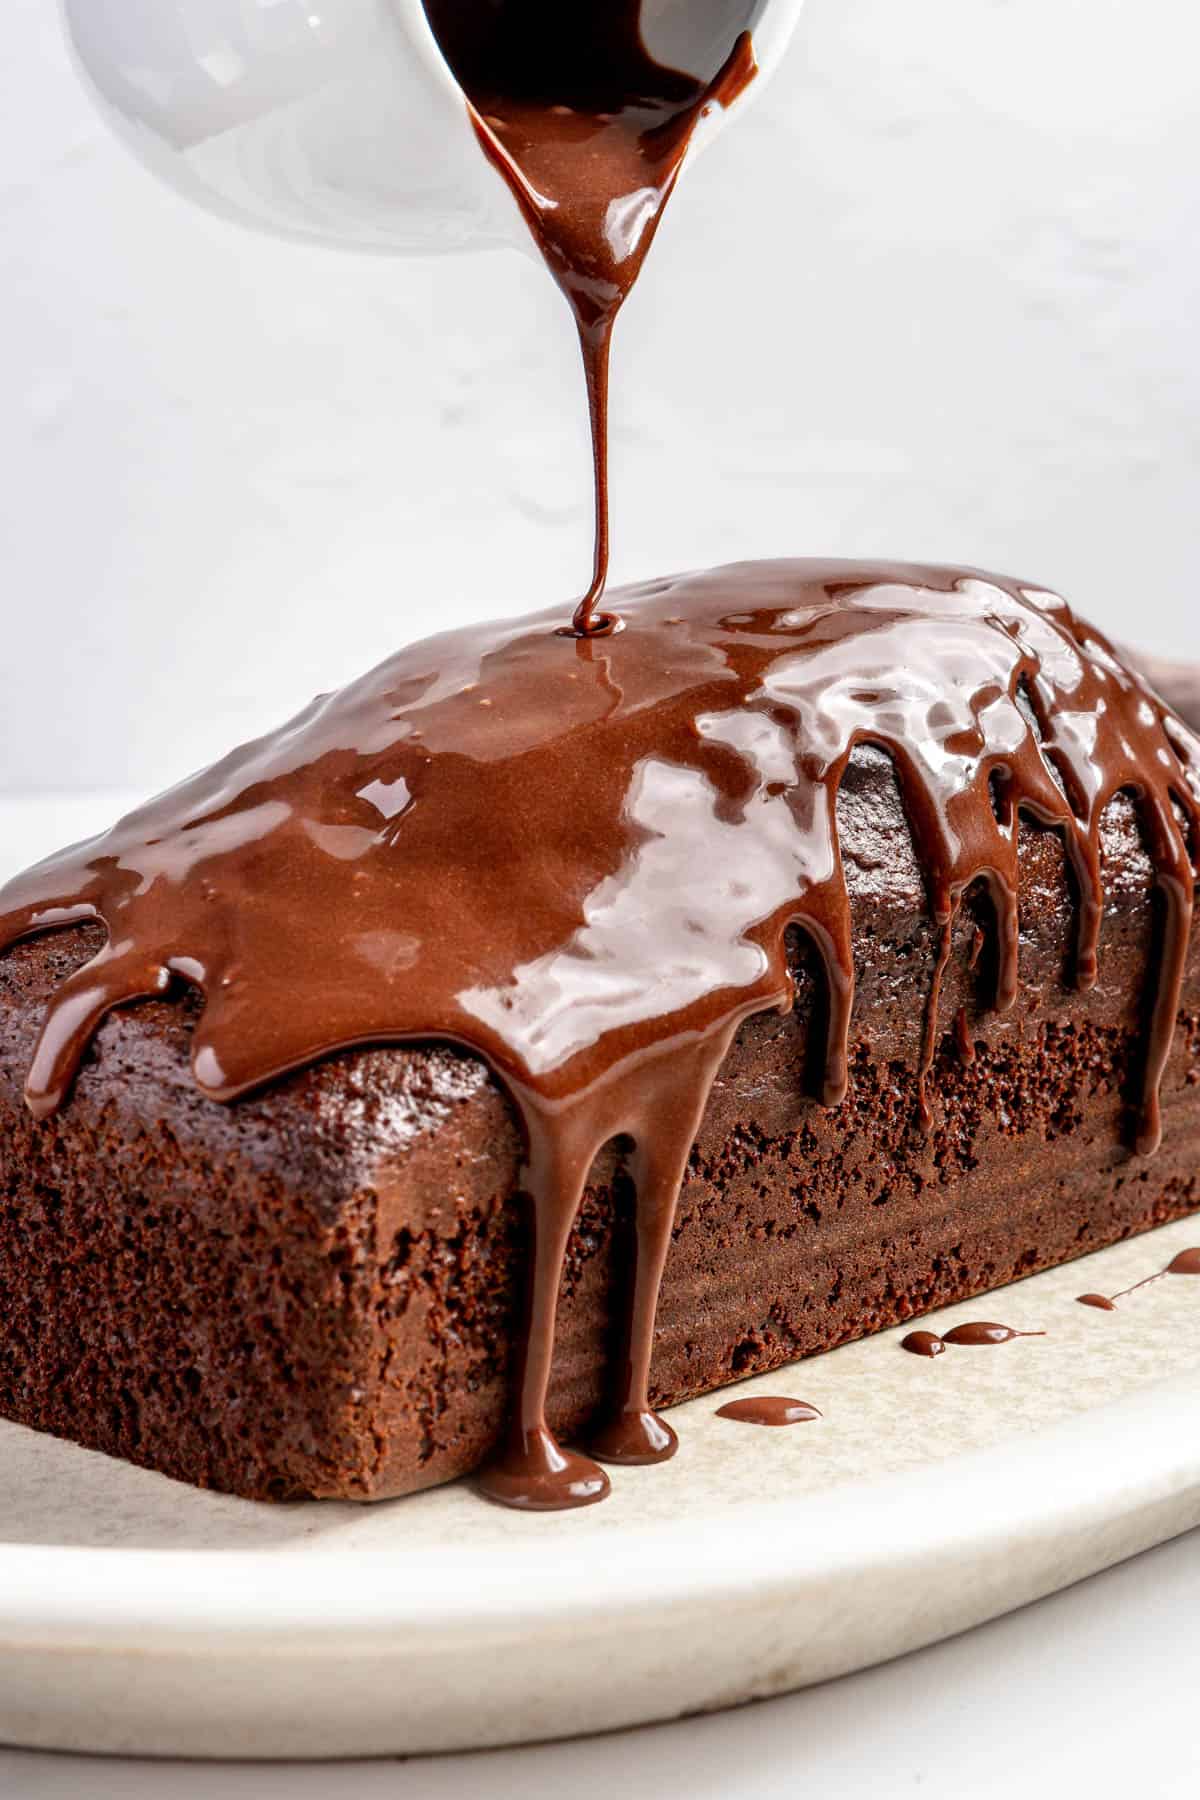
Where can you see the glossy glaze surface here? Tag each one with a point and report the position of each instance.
(579, 857)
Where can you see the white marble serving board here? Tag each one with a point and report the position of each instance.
(139, 1615)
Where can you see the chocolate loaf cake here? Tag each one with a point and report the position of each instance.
(318, 1262)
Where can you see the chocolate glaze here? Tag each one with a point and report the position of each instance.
(923, 1343)
(579, 858)
(1186, 1263)
(980, 1331)
(768, 1409)
(590, 132)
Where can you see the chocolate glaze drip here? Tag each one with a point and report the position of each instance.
(768, 1409)
(590, 132)
(1186, 1263)
(579, 858)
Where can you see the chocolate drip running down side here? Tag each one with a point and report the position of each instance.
(590, 131)
(579, 858)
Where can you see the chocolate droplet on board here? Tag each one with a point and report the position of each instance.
(981, 1331)
(768, 1409)
(1186, 1263)
(923, 1343)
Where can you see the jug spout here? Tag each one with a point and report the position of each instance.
(330, 121)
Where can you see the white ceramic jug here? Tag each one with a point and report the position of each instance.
(336, 121)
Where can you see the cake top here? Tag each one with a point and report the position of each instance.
(569, 854)
(579, 857)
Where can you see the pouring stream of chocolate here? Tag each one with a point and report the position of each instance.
(589, 132)
(581, 860)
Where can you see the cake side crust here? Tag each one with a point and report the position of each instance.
(315, 1290)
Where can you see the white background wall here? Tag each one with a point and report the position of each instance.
(944, 291)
